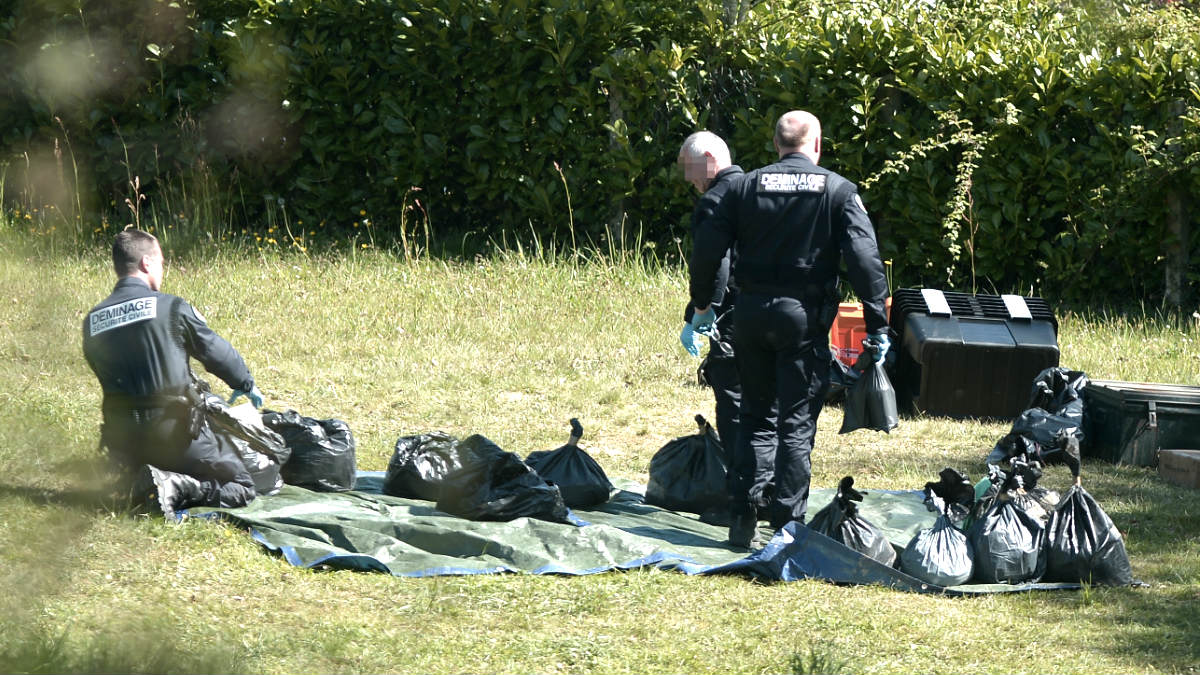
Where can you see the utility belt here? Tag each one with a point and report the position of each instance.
(144, 411)
(823, 296)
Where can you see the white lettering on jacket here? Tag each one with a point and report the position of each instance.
(115, 316)
(791, 182)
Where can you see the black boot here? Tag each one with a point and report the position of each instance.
(743, 530)
(166, 491)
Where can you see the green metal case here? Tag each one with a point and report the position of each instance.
(1128, 422)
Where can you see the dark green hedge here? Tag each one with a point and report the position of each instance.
(1011, 145)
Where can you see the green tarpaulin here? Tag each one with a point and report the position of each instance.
(366, 530)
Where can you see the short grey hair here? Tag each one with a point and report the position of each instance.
(697, 144)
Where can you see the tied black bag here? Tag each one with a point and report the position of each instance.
(1083, 544)
(840, 522)
(871, 400)
(941, 554)
(497, 485)
(322, 456)
(1008, 543)
(689, 473)
(579, 478)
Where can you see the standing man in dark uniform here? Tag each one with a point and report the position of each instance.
(137, 342)
(706, 164)
(793, 222)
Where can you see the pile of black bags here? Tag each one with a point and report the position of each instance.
(278, 448)
(471, 478)
(1009, 529)
(474, 478)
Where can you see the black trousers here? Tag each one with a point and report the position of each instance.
(720, 372)
(783, 364)
(162, 438)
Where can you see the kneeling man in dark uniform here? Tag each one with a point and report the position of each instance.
(137, 342)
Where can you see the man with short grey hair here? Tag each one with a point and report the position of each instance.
(706, 164)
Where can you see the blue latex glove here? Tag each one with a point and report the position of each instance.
(702, 322)
(882, 341)
(691, 340)
(254, 395)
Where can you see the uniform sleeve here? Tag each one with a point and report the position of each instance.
(218, 356)
(705, 208)
(863, 264)
(713, 235)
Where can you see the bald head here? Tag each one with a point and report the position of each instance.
(702, 156)
(798, 131)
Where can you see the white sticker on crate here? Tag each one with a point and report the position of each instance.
(1017, 309)
(935, 301)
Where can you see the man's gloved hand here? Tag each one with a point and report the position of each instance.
(702, 322)
(882, 341)
(691, 339)
(254, 395)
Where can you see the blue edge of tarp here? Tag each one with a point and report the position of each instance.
(794, 553)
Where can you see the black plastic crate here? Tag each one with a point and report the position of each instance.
(964, 355)
(1129, 422)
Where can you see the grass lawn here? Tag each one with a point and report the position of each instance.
(512, 347)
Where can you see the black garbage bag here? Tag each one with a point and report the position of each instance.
(579, 478)
(264, 471)
(322, 451)
(245, 423)
(871, 399)
(1052, 419)
(841, 378)
(939, 555)
(689, 473)
(240, 429)
(497, 485)
(420, 464)
(1008, 544)
(1060, 392)
(953, 488)
(993, 484)
(1041, 435)
(841, 522)
(1083, 544)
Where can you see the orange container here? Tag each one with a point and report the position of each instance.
(849, 330)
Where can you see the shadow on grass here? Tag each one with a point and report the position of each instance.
(28, 650)
(102, 499)
(1158, 629)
